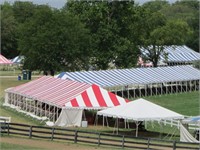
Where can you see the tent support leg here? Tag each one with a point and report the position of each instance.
(117, 126)
(136, 133)
(137, 124)
(107, 121)
(103, 121)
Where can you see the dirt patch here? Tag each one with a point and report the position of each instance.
(50, 145)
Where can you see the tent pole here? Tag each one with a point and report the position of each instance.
(128, 124)
(49, 112)
(54, 114)
(145, 90)
(103, 121)
(136, 133)
(97, 121)
(156, 89)
(57, 113)
(107, 121)
(117, 126)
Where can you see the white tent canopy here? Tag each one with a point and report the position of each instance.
(140, 110)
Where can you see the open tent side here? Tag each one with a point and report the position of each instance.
(140, 110)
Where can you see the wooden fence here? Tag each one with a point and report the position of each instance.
(95, 138)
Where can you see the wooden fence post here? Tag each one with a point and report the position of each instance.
(76, 136)
(174, 145)
(30, 132)
(123, 141)
(8, 128)
(99, 139)
(52, 133)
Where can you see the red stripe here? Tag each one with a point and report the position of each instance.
(86, 99)
(74, 103)
(114, 99)
(99, 96)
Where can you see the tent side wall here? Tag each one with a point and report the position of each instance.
(70, 117)
(32, 106)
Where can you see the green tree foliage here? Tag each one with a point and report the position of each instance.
(54, 40)
(156, 5)
(8, 31)
(23, 10)
(187, 11)
(110, 25)
(159, 33)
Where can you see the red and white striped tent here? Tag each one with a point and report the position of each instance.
(4, 61)
(72, 96)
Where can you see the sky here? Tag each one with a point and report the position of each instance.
(61, 3)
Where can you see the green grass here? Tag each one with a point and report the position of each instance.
(18, 117)
(9, 82)
(8, 146)
(10, 73)
(184, 103)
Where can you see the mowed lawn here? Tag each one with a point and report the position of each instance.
(187, 104)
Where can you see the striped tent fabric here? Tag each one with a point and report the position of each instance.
(134, 76)
(59, 92)
(4, 61)
(95, 97)
(178, 54)
(17, 59)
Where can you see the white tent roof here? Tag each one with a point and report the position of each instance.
(140, 110)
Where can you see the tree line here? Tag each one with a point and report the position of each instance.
(94, 35)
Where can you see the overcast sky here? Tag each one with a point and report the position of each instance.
(60, 3)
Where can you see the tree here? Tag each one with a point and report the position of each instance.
(187, 11)
(54, 40)
(23, 10)
(8, 31)
(172, 33)
(111, 27)
(159, 32)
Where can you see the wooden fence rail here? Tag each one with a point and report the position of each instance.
(96, 138)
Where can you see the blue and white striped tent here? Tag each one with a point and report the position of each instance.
(17, 60)
(134, 76)
(178, 54)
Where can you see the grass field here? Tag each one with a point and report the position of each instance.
(187, 104)
(18, 147)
